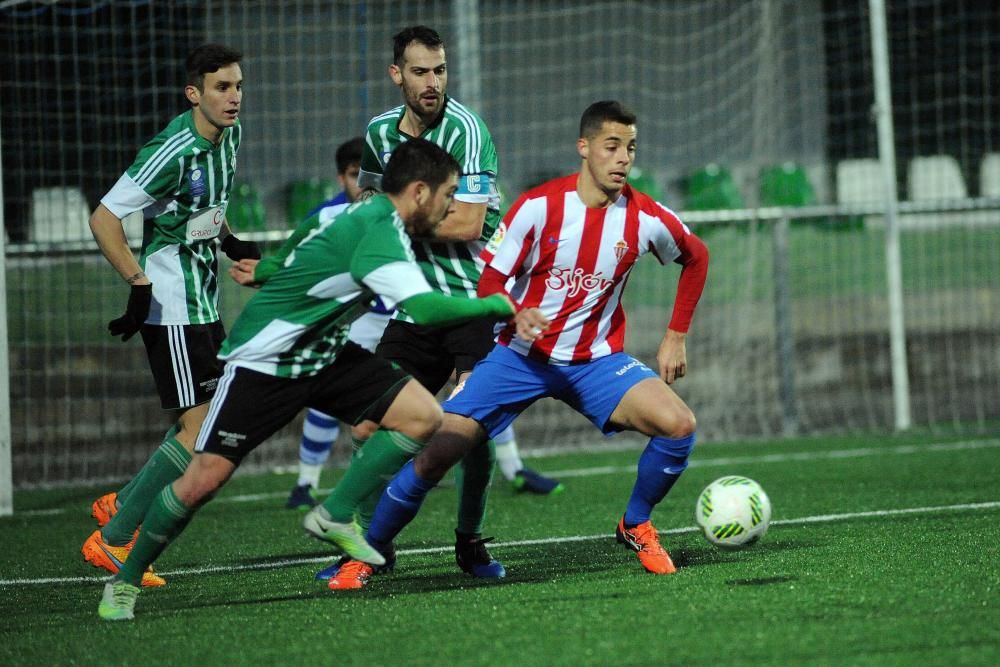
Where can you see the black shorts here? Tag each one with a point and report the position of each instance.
(430, 354)
(250, 406)
(184, 361)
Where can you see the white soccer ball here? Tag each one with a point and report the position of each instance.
(733, 511)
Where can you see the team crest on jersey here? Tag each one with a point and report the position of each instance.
(196, 181)
(620, 249)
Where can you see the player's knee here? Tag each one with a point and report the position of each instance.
(424, 421)
(677, 422)
(199, 483)
(414, 412)
(431, 421)
(364, 430)
(206, 474)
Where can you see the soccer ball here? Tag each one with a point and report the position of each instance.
(733, 511)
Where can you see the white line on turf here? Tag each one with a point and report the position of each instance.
(293, 562)
(791, 456)
(901, 450)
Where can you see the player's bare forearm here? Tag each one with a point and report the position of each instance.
(464, 222)
(531, 323)
(671, 357)
(110, 236)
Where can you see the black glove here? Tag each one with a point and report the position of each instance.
(136, 312)
(237, 250)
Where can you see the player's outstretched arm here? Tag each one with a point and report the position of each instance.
(436, 309)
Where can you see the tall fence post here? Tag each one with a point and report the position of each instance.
(6, 446)
(465, 16)
(784, 336)
(893, 269)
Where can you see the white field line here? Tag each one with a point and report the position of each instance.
(900, 450)
(275, 564)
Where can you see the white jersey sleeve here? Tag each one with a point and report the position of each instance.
(515, 237)
(662, 231)
(396, 282)
(126, 197)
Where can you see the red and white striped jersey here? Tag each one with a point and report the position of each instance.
(573, 262)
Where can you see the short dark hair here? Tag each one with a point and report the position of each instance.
(416, 33)
(349, 153)
(605, 111)
(418, 160)
(206, 59)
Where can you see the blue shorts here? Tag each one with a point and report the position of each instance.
(505, 383)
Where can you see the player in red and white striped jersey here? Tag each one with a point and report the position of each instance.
(572, 262)
(567, 247)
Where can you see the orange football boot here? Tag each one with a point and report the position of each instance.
(99, 553)
(645, 542)
(104, 508)
(351, 576)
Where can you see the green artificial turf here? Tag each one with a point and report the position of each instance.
(882, 550)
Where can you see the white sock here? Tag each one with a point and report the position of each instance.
(508, 460)
(309, 474)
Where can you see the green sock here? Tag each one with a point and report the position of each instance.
(381, 458)
(366, 509)
(165, 520)
(473, 479)
(167, 464)
(124, 492)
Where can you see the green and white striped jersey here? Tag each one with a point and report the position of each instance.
(181, 182)
(450, 268)
(298, 322)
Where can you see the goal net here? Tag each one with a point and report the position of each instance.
(755, 124)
